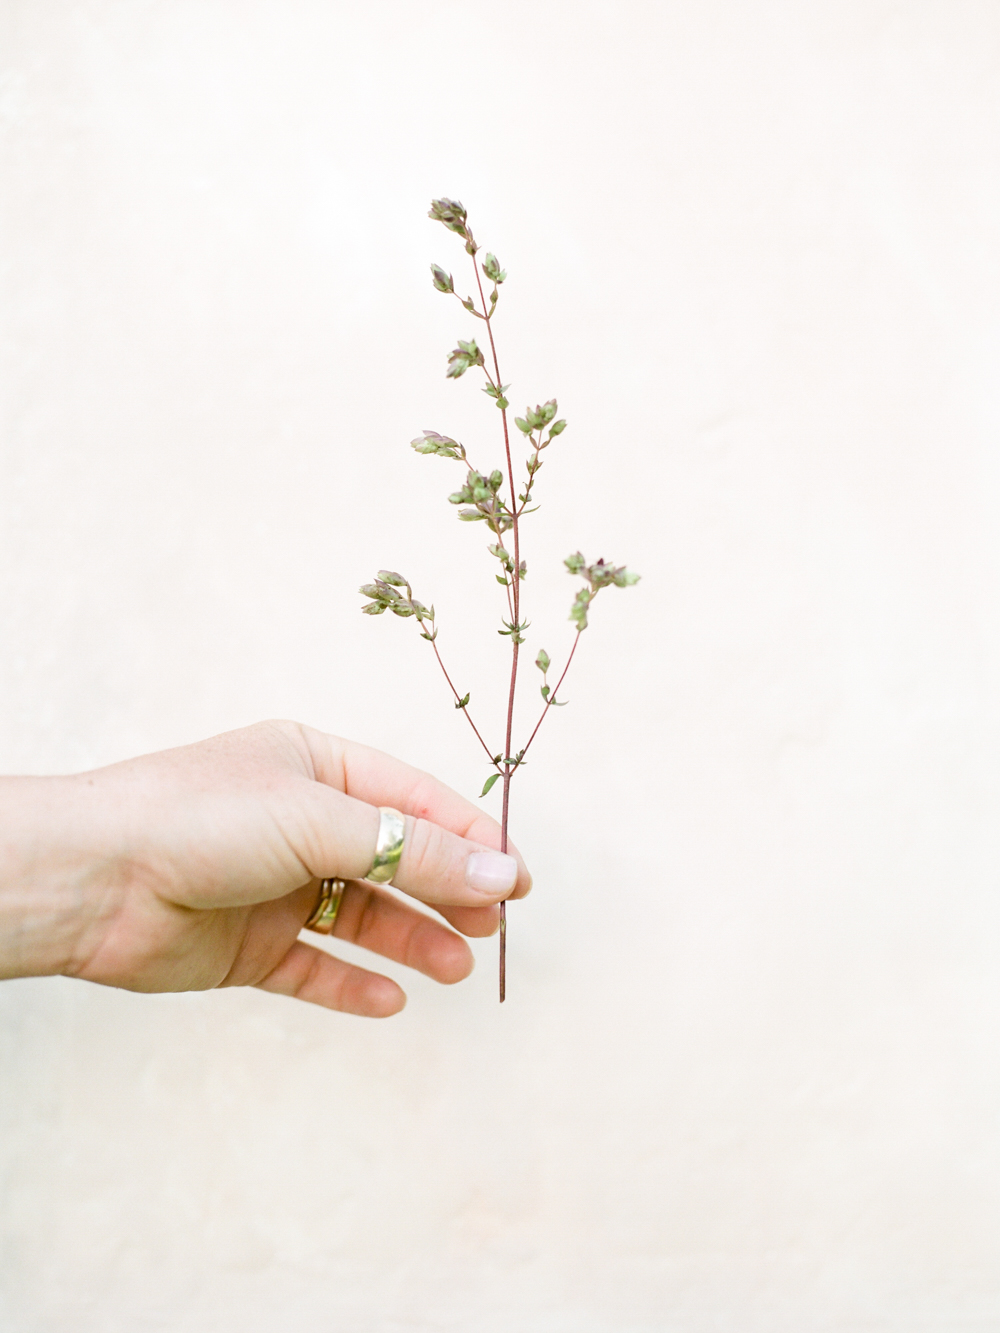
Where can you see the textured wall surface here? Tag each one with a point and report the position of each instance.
(747, 1080)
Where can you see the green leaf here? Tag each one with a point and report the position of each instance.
(462, 702)
(489, 781)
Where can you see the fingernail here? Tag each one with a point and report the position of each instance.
(491, 872)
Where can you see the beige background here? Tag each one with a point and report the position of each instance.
(747, 1080)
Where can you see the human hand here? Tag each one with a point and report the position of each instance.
(197, 867)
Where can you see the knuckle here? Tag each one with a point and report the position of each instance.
(308, 977)
(420, 799)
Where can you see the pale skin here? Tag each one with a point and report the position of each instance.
(198, 867)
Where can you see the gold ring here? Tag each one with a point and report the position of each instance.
(324, 915)
(388, 846)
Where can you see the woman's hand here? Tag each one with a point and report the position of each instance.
(197, 867)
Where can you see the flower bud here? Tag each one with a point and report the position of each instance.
(492, 269)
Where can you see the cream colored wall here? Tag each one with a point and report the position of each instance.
(747, 1078)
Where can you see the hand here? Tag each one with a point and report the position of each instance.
(197, 867)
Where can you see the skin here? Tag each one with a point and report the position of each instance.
(197, 868)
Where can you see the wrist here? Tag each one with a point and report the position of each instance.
(57, 883)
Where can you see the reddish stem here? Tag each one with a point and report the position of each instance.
(552, 697)
(507, 771)
(458, 699)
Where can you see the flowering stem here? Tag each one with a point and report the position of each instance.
(515, 635)
(483, 494)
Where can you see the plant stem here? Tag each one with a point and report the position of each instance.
(507, 771)
(458, 698)
(552, 697)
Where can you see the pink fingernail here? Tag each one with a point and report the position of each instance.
(491, 872)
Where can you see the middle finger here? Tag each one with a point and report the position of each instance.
(379, 921)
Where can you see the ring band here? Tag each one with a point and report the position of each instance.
(324, 915)
(389, 845)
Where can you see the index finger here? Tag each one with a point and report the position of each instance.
(380, 779)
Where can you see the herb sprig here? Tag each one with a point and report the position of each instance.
(483, 499)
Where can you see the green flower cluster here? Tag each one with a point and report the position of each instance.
(385, 596)
(481, 493)
(443, 445)
(601, 574)
(453, 215)
(464, 356)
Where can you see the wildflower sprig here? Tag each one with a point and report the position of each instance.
(599, 575)
(386, 596)
(534, 425)
(491, 497)
(433, 443)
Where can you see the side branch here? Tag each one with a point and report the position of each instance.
(464, 708)
(552, 697)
